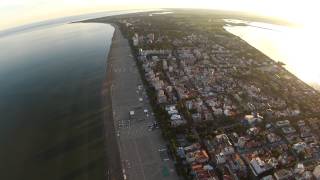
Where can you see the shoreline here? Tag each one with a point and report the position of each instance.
(284, 61)
(135, 151)
(113, 161)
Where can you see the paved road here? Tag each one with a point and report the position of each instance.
(139, 147)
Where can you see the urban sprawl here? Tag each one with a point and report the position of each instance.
(226, 110)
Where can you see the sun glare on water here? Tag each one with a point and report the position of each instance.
(301, 50)
(297, 47)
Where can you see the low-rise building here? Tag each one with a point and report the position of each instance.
(316, 172)
(283, 123)
(288, 130)
(258, 166)
(283, 174)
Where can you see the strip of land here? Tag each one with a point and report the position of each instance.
(142, 150)
(114, 170)
(224, 106)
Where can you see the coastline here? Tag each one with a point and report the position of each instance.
(134, 155)
(114, 170)
(104, 143)
(237, 72)
(134, 152)
(272, 49)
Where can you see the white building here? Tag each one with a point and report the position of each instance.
(135, 39)
(316, 172)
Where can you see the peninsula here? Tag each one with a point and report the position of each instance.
(224, 109)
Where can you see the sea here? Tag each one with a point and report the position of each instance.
(51, 75)
(51, 124)
(51, 113)
(294, 45)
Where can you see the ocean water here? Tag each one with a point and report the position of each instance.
(50, 102)
(297, 47)
(68, 19)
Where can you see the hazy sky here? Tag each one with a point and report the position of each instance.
(18, 12)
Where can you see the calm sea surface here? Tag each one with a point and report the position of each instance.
(297, 47)
(50, 102)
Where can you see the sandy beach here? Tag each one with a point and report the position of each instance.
(135, 151)
(114, 170)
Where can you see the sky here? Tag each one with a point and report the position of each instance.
(19, 12)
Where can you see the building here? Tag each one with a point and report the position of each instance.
(161, 97)
(288, 130)
(316, 172)
(135, 39)
(252, 119)
(283, 123)
(299, 147)
(258, 166)
(269, 177)
(283, 174)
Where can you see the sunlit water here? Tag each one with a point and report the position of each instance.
(297, 47)
(160, 13)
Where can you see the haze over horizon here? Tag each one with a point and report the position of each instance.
(161, 90)
(15, 13)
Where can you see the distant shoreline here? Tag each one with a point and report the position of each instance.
(67, 20)
(113, 161)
